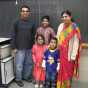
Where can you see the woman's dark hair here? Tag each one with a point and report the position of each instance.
(40, 36)
(24, 6)
(68, 13)
(45, 17)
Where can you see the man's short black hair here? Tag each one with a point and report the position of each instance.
(24, 6)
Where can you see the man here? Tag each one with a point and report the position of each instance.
(22, 41)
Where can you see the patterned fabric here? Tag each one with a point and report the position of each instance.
(67, 68)
(37, 54)
(68, 32)
(46, 32)
(51, 58)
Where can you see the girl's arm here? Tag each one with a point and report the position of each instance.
(44, 61)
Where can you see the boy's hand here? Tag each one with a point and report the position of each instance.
(58, 66)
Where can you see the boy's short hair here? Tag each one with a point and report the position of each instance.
(53, 38)
(45, 17)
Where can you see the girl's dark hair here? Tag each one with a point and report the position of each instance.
(24, 6)
(45, 17)
(41, 36)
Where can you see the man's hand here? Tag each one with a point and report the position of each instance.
(14, 52)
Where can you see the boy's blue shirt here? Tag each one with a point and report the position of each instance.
(51, 57)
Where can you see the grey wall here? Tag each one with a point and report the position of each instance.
(9, 12)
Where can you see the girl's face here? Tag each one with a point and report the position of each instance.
(53, 44)
(40, 40)
(66, 18)
(45, 22)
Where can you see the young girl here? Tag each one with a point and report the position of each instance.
(37, 54)
(51, 63)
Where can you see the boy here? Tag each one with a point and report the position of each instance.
(51, 63)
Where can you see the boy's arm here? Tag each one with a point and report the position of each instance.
(58, 66)
(58, 61)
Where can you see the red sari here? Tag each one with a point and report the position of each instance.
(37, 55)
(68, 69)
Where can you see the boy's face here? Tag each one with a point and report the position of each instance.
(40, 40)
(45, 22)
(53, 44)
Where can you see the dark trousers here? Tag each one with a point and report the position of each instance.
(50, 81)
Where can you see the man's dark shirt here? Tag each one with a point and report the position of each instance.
(23, 34)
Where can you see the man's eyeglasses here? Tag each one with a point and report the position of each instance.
(25, 11)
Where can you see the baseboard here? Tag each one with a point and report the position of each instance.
(84, 45)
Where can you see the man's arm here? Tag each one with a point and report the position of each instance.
(33, 33)
(13, 39)
(13, 36)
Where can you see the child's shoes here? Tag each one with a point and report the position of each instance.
(36, 86)
(41, 86)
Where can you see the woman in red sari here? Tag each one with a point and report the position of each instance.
(68, 35)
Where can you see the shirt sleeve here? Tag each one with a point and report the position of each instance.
(58, 56)
(33, 33)
(13, 35)
(44, 56)
(52, 32)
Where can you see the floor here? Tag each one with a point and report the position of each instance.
(81, 83)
